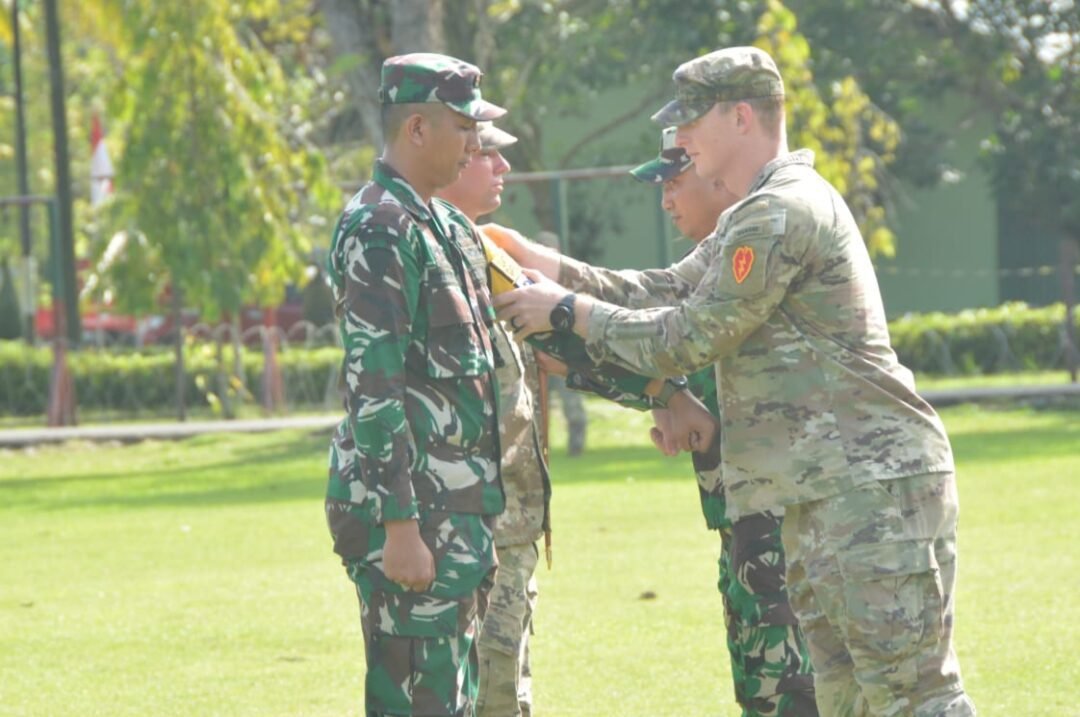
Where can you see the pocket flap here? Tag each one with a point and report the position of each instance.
(888, 560)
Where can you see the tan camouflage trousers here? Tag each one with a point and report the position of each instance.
(420, 648)
(505, 678)
(870, 575)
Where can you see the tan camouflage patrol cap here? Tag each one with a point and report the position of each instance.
(670, 163)
(734, 73)
(427, 77)
(491, 137)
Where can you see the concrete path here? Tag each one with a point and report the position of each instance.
(131, 432)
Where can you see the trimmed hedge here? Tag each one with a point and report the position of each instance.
(1011, 337)
(131, 381)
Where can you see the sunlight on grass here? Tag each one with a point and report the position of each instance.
(196, 578)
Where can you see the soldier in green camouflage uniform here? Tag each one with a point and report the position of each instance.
(816, 412)
(505, 677)
(414, 467)
(770, 662)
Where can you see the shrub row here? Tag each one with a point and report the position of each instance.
(130, 382)
(1011, 337)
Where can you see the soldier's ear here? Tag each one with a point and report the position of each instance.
(416, 129)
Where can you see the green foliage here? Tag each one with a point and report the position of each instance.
(1013, 62)
(853, 140)
(217, 171)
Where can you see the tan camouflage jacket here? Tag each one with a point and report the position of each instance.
(783, 298)
(524, 473)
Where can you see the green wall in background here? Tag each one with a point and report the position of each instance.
(946, 258)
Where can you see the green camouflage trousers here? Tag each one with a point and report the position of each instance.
(870, 576)
(770, 662)
(505, 679)
(421, 648)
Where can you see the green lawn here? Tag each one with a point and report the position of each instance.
(196, 578)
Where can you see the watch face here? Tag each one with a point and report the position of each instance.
(560, 318)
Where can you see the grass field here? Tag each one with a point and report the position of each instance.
(196, 578)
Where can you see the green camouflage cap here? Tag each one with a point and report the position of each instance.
(491, 137)
(670, 163)
(427, 77)
(734, 73)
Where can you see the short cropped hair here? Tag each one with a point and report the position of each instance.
(393, 116)
(769, 111)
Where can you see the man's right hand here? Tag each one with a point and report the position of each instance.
(527, 253)
(662, 434)
(406, 558)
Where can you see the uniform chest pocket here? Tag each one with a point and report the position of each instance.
(455, 345)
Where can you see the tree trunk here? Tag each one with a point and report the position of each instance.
(62, 167)
(352, 30)
(227, 411)
(416, 26)
(1070, 256)
(178, 350)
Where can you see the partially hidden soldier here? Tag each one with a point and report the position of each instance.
(414, 467)
(770, 662)
(505, 675)
(572, 402)
(817, 415)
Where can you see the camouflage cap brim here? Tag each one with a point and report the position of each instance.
(662, 169)
(491, 137)
(480, 110)
(682, 111)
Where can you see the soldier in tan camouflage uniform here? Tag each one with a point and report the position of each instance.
(505, 678)
(770, 661)
(817, 414)
(414, 467)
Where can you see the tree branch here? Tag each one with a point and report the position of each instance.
(630, 114)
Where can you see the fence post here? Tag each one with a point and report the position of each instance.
(61, 411)
(1069, 259)
(562, 214)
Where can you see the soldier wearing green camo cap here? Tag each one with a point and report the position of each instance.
(817, 414)
(414, 484)
(769, 657)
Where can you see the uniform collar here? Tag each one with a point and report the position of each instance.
(800, 156)
(389, 179)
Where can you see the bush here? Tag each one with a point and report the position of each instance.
(1011, 337)
(133, 381)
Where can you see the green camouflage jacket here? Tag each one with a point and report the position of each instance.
(783, 298)
(421, 430)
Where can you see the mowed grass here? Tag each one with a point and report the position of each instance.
(196, 578)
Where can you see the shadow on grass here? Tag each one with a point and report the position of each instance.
(1056, 434)
(289, 469)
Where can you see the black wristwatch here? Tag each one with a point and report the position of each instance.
(562, 316)
(670, 388)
